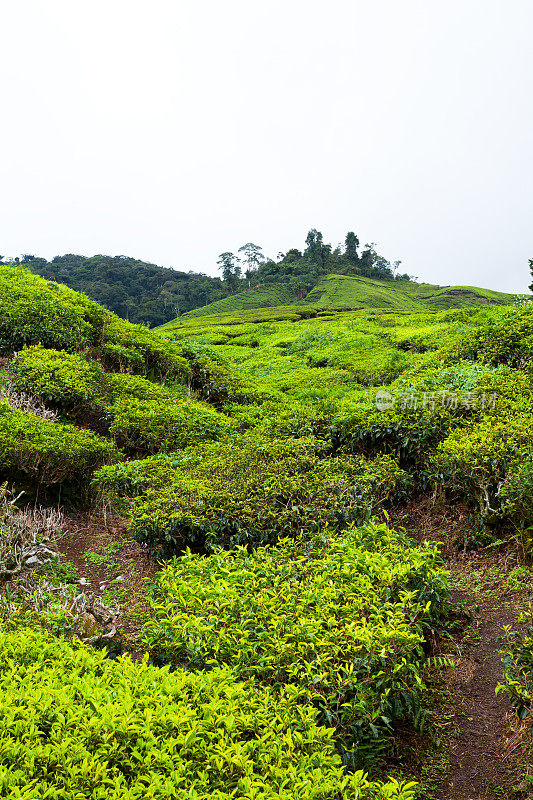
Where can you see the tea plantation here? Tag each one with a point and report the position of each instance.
(258, 457)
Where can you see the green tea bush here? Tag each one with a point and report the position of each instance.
(57, 376)
(408, 434)
(49, 452)
(214, 380)
(122, 384)
(516, 497)
(252, 491)
(339, 615)
(33, 311)
(475, 461)
(506, 337)
(134, 348)
(149, 426)
(517, 658)
(76, 724)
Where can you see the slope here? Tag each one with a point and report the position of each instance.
(345, 292)
(277, 294)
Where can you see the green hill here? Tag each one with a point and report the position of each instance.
(277, 294)
(343, 292)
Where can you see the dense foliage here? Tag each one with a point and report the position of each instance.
(133, 289)
(249, 491)
(341, 616)
(78, 725)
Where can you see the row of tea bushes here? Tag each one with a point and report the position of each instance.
(341, 616)
(34, 310)
(249, 490)
(47, 452)
(76, 724)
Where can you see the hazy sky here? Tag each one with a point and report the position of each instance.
(173, 130)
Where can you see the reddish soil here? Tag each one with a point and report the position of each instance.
(102, 551)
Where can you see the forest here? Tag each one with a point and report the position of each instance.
(258, 554)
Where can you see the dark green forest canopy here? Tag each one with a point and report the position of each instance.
(133, 289)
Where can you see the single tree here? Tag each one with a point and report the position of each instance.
(253, 258)
(226, 262)
(351, 244)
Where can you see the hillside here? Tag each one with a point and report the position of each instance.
(333, 509)
(345, 292)
(277, 294)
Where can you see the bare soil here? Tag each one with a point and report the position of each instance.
(114, 565)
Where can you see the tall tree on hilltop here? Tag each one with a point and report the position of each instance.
(229, 263)
(253, 257)
(316, 250)
(351, 244)
(226, 263)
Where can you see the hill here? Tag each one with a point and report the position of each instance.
(275, 294)
(344, 292)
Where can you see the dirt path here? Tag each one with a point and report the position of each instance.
(484, 753)
(476, 752)
(111, 565)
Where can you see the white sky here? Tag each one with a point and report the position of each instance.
(173, 130)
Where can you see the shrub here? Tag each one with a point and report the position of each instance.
(148, 426)
(76, 724)
(408, 434)
(475, 461)
(506, 337)
(49, 452)
(134, 348)
(517, 658)
(340, 616)
(516, 497)
(33, 310)
(57, 376)
(121, 385)
(252, 491)
(214, 380)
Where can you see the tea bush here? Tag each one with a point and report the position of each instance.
(49, 452)
(148, 426)
(517, 658)
(76, 724)
(121, 385)
(253, 491)
(475, 461)
(33, 311)
(506, 337)
(57, 376)
(341, 616)
(214, 380)
(134, 348)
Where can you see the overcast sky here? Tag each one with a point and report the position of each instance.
(174, 130)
